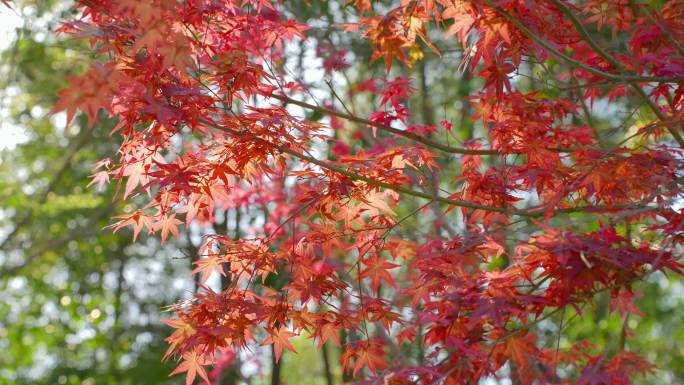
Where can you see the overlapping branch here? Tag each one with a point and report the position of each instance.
(632, 80)
(396, 131)
(615, 63)
(535, 212)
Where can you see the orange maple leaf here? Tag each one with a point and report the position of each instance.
(193, 364)
(138, 220)
(207, 267)
(182, 331)
(328, 331)
(377, 269)
(371, 355)
(88, 93)
(168, 224)
(177, 52)
(519, 347)
(279, 338)
(361, 5)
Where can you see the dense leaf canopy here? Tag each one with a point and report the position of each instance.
(445, 191)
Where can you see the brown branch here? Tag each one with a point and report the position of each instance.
(405, 134)
(547, 46)
(536, 212)
(396, 131)
(359, 177)
(631, 80)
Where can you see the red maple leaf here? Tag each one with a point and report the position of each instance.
(280, 338)
(193, 363)
(377, 269)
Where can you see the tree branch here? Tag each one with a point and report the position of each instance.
(396, 131)
(631, 80)
(547, 46)
(536, 212)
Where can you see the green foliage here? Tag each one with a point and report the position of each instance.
(79, 305)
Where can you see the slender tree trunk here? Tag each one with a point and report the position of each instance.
(117, 330)
(326, 365)
(427, 111)
(275, 367)
(465, 125)
(344, 339)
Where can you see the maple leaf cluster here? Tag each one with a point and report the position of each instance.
(204, 126)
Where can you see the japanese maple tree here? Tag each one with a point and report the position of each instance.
(536, 213)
